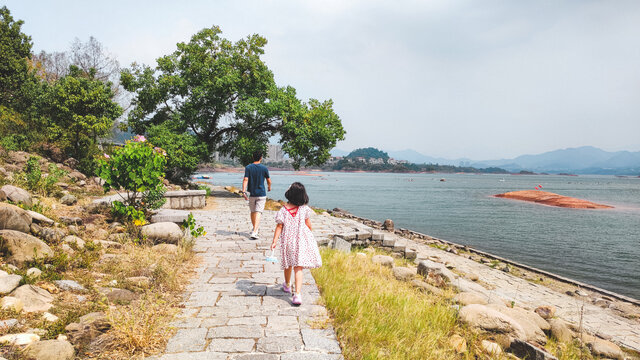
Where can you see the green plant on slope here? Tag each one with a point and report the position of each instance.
(194, 229)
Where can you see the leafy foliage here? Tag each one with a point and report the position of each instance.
(15, 48)
(80, 109)
(138, 169)
(35, 181)
(224, 95)
(184, 152)
(194, 229)
(369, 153)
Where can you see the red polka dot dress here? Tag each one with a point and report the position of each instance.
(297, 244)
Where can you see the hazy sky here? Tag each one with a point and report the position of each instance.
(476, 79)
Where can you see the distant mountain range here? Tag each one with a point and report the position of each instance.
(582, 160)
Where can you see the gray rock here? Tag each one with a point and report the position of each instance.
(527, 351)
(427, 287)
(560, 329)
(108, 244)
(8, 283)
(468, 298)
(88, 327)
(14, 218)
(35, 299)
(383, 260)
(486, 318)
(119, 238)
(115, 295)
(604, 348)
(341, 244)
(3, 196)
(430, 269)
(17, 195)
(23, 247)
(77, 176)
(404, 273)
(71, 220)
(320, 340)
(165, 248)
(7, 324)
(50, 235)
(50, 350)
(34, 273)
(546, 311)
(39, 218)
(69, 200)
(11, 303)
(69, 285)
(75, 241)
(388, 225)
(164, 232)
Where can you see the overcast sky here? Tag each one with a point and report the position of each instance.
(475, 79)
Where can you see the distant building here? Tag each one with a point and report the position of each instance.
(274, 153)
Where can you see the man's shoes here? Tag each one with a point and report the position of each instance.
(254, 235)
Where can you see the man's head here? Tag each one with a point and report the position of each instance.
(257, 155)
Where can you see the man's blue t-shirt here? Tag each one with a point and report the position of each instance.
(256, 173)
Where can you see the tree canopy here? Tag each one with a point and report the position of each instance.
(222, 93)
(369, 153)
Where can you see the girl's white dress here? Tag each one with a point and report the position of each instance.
(297, 244)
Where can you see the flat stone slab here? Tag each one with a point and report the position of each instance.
(187, 340)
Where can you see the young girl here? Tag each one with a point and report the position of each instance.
(298, 248)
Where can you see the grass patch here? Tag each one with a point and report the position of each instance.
(378, 317)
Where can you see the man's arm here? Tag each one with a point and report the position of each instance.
(245, 181)
(269, 183)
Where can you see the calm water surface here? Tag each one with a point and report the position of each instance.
(599, 247)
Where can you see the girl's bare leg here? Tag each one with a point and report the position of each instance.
(298, 271)
(287, 276)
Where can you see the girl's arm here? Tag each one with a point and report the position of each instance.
(308, 222)
(276, 235)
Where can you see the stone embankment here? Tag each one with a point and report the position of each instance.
(551, 199)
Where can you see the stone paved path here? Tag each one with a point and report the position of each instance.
(234, 308)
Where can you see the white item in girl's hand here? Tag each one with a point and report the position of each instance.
(272, 259)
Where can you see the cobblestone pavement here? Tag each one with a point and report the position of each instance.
(234, 307)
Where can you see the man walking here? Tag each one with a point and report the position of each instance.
(254, 177)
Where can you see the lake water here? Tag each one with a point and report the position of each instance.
(599, 247)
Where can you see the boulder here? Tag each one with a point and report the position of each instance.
(71, 220)
(164, 232)
(19, 339)
(17, 195)
(121, 296)
(486, 318)
(427, 287)
(75, 241)
(341, 244)
(531, 323)
(491, 348)
(560, 329)
(545, 311)
(88, 327)
(39, 218)
(165, 248)
(50, 350)
(35, 299)
(140, 281)
(388, 225)
(8, 283)
(404, 273)
(77, 176)
(3, 196)
(18, 157)
(468, 298)
(23, 247)
(68, 200)
(50, 235)
(458, 343)
(101, 234)
(524, 350)
(108, 244)
(34, 273)
(14, 218)
(119, 238)
(49, 317)
(8, 324)
(435, 271)
(69, 285)
(11, 303)
(383, 260)
(604, 348)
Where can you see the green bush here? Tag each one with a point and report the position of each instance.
(137, 169)
(35, 181)
(194, 229)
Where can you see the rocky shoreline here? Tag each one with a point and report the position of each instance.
(551, 199)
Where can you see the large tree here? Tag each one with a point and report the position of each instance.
(80, 109)
(224, 94)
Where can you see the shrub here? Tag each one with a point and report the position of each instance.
(194, 229)
(34, 180)
(138, 170)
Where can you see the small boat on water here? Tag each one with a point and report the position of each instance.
(202, 177)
